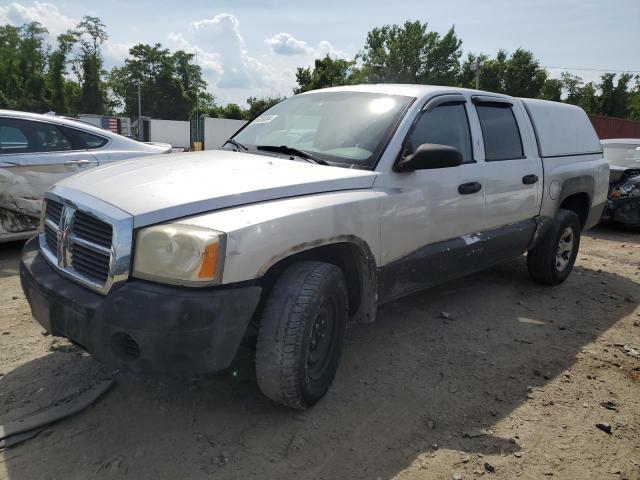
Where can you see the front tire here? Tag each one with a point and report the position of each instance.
(551, 261)
(302, 333)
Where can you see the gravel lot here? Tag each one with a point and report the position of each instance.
(510, 386)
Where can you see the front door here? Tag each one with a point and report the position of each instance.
(431, 219)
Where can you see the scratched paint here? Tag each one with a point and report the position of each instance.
(21, 192)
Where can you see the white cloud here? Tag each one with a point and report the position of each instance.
(285, 44)
(231, 71)
(46, 13)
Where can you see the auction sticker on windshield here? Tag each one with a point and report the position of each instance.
(265, 118)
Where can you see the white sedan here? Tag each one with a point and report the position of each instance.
(37, 150)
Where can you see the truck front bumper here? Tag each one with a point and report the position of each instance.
(141, 326)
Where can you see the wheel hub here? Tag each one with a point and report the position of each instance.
(565, 249)
(320, 342)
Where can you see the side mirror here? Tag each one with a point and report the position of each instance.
(430, 155)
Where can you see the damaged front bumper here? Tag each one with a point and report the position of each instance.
(623, 211)
(141, 326)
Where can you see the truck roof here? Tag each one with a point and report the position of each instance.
(561, 129)
(409, 90)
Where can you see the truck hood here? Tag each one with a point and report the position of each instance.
(165, 187)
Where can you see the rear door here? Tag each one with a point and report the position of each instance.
(513, 176)
(37, 154)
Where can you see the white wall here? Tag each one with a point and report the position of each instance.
(174, 132)
(217, 130)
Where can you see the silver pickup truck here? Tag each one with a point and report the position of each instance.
(327, 205)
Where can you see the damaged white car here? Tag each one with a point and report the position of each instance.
(327, 205)
(36, 151)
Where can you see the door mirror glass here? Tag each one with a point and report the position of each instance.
(431, 155)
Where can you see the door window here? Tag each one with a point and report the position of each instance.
(11, 139)
(500, 132)
(446, 124)
(23, 136)
(84, 140)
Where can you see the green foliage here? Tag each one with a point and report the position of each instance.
(69, 78)
(169, 83)
(410, 54)
(551, 90)
(23, 58)
(56, 76)
(259, 105)
(327, 72)
(91, 34)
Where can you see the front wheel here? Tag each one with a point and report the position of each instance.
(551, 261)
(302, 333)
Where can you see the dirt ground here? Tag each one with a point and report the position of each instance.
(510, 386)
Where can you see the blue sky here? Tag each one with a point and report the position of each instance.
(249, 47)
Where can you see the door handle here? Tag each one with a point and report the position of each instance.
(468, 188)
(77, 162)
(530, 179)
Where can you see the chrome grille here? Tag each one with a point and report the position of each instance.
(54, 211)
(84, 242)
(89, 262)
(91, 229)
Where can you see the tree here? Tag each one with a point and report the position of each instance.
(589, 100)
(22, 67)
(552, 90)
(91, 34)
(170, 85)
(634, 100)
(614, 97)
(523, 75)
(259, 105)
(60, 95)
(572, 85)
(327, 72)
(231, 111)
(410, 54)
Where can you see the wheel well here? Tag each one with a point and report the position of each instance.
(578, 203)
(346, 256)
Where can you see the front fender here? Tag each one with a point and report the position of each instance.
(262, 234)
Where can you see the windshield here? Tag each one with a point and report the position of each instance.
(623, 155)
(348, 128)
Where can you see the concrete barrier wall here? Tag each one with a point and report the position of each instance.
(217, 130)
(174, 132)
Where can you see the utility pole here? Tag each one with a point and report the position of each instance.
(476, 66)
(139, 114)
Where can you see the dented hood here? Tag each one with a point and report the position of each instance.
(159, 188)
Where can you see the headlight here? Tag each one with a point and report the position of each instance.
(179, 254)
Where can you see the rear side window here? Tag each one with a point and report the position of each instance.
(24, 136)
(500, 132)
(444, 125)
(84, 140)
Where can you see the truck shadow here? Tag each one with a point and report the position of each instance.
(10, 258)
(407, 382)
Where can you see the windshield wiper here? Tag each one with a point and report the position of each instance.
(236, 144)
(292, 151)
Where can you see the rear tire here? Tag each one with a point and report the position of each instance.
(302, 333)
(551, 261)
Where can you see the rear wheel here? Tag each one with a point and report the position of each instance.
(302, 333)
(551, 261)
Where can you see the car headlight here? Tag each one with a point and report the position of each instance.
(179, 254)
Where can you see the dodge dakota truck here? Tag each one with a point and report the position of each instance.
(325, 206)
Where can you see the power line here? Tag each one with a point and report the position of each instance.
(597, 69)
